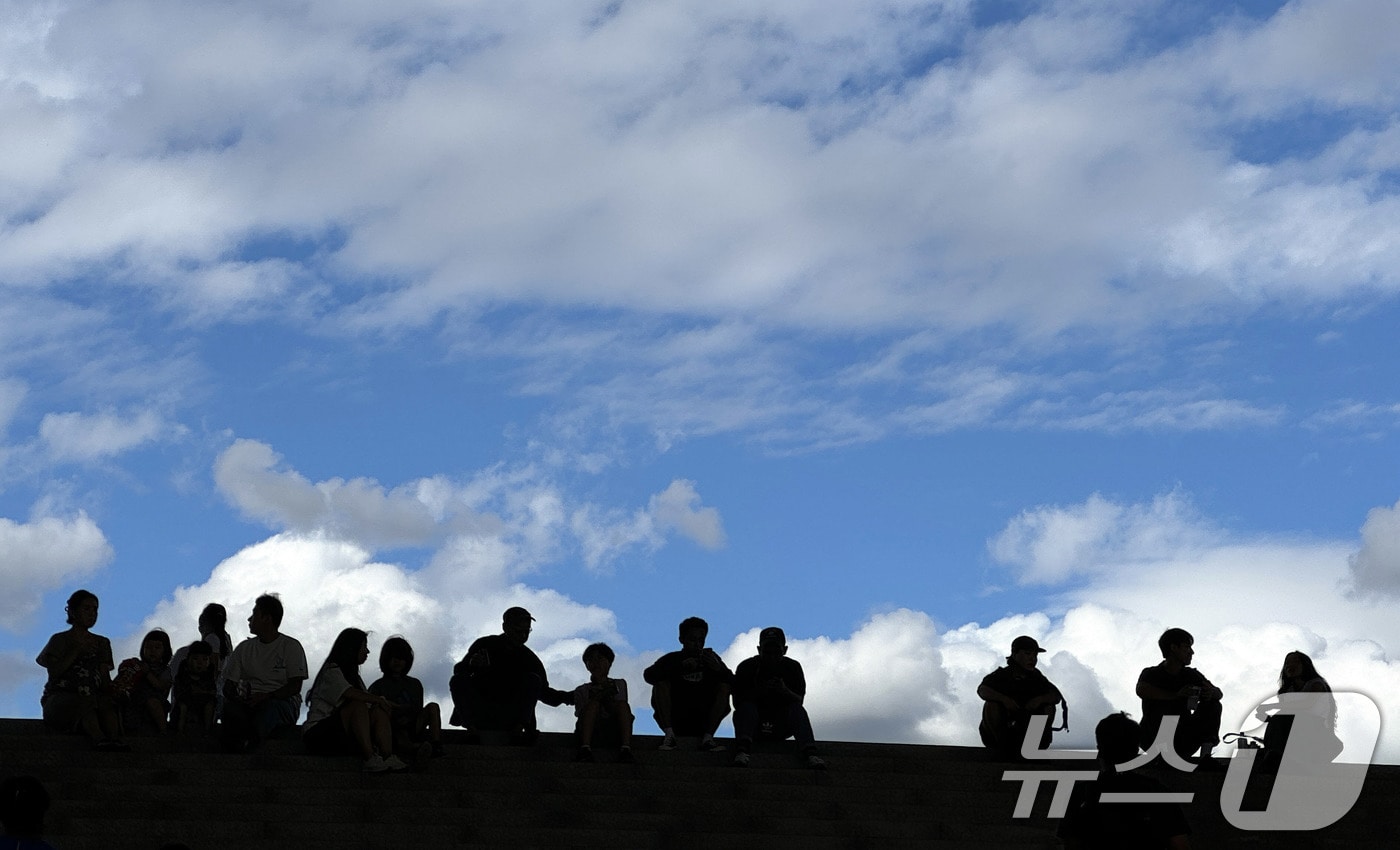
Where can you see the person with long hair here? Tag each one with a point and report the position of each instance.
(343, 717)
(1305, 714)
(78, 694)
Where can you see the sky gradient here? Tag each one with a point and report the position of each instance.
(907, 326)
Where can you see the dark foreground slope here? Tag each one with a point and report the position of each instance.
(882, 796)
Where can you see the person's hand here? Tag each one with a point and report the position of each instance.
(479, 660)
(712, 659)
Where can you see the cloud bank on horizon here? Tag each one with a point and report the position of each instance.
(413, 313)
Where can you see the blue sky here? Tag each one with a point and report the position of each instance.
(907, 326)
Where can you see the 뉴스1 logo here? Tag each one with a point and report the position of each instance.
(1311, 790)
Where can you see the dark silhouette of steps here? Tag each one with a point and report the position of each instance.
(880, 796)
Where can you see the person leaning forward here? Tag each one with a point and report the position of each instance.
(497, 684)
(1012, 694)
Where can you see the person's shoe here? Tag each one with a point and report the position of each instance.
(624, 756)
(395, 763)
(668, 743)
(422, 753)
(814, 762)
(741, 759)
(112, 745)
(438, 750)
(375, 764)
(710, 745)
(584, 754)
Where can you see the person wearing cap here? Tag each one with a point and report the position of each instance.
(768, 692)
(498, 682)
(1012, 694)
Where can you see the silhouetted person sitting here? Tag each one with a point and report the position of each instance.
(23, 804)
(690, 688)
(1175, 689)
(768, 692)
(497, 684)
(1012, 695)
(196, 689)
(1305, 714)
(78, 694)
(601, 707)
(1091, 823)
(263, 679)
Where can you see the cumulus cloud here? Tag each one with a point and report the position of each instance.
(88, 437)
(327, 585)
(41, 555)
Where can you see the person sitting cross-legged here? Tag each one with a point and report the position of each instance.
(769, 690)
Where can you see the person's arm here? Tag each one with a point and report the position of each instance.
(987, 693)
(1147, 690)
(60, 652)
(793, 684)
(659, 671)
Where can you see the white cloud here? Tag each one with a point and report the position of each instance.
(1049, 545)
(88, 437)
(530, 521)
(45, 554)
(678, 508)
(722, 160)
(1375, 567)
(359, 509)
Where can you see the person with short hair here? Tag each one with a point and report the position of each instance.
(1012, 695)
(769, 691)
(497, 684)
(601, 707)
(263, 679)
(78, 694)
(414, 723)
(1091, 823)
(1174, 688)
(690, 688)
